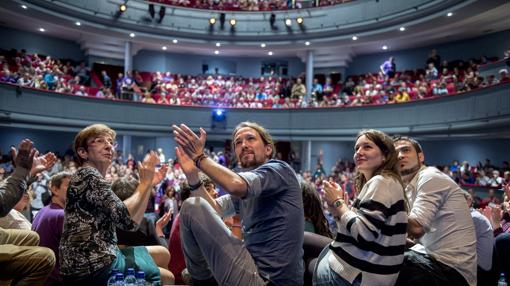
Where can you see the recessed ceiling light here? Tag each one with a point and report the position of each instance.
(175, 41)
(164, 48)
(78, 24)
(263, 45)
(307, 43)
(24, 6)
(354, 38)
(42, 30)
(270, 53)
(449, 14)
(132, 35)
(384, 47)
(402, 29)
(218, 44)
(216, 52)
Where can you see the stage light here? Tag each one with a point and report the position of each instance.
(164, 48)
(216, 52)
(78, 24)
(42, 30)
(300, 20)
(263, 45)
(288, 22)
(218, 44)
(354, 38)
(233, 22)
(24, 7)
(219, 115)
(212, 21)
(384, 47)
(307, 43)
(270, 53)
(122, 8)
(449, 14)
(132, 35)
(402, 29)
(175, 41)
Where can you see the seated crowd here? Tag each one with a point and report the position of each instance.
(232, 91)
(249, 5)
(82, 197)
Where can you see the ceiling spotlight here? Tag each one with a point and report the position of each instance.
(132, 35)
(78, 24)
(300, 20)
(449, 14)
(354, 38)
(24, 7)
(288, 22)
(42, 30)
(402, 29)
(384, 47)
(307, 43)
(270, 53)
(263, 45)
(164, 48)
(212, 21)
(233, 22)
(218, 44)
(175, 41)
(122, 7)
(216, 52)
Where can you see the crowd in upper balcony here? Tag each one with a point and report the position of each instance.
(388, 86)
(250, 5)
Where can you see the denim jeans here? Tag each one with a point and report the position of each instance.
(325, 276)
(210, 249)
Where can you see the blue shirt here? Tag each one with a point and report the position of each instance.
(272, 220)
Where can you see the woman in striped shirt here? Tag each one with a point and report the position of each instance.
(370, 242)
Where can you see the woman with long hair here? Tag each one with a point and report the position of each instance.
(369, 246)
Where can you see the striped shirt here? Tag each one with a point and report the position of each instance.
(372, 235)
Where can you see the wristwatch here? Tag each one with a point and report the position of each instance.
(338, 203)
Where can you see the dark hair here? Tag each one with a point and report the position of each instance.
(124, 187)
(56, 180)
(312, 205)
(411, 140)
(185, 191)
(264, 134)
(389, 168)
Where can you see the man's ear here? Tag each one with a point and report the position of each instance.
(421, 157)
(82, 153)
(269, 151)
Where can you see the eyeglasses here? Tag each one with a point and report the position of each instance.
(103, 141)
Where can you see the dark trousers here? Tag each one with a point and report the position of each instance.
(503, 252)
(422, 270)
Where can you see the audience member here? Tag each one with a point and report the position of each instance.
(49, 221)
(15, 218)
(88, 248)
(267, 196)
(440, 222)
(298, 89)
(21, 259)
(369, 246)
(389, 67)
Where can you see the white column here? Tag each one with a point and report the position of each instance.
(309, 73)
(128, 58)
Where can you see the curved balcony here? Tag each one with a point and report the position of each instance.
(480, 113)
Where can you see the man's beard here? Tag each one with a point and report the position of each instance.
(410, 171)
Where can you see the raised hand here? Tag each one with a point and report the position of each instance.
(191, 143)
(160, 175)
(43, 163)
(147, 168)
(187, 165)
(506, 189)
(24, 156)
(163, 221)
(332, 192)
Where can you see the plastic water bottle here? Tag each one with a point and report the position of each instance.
(112, 281)
(119, 279)
(502, 280)
(140, 279)
(130, 278)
